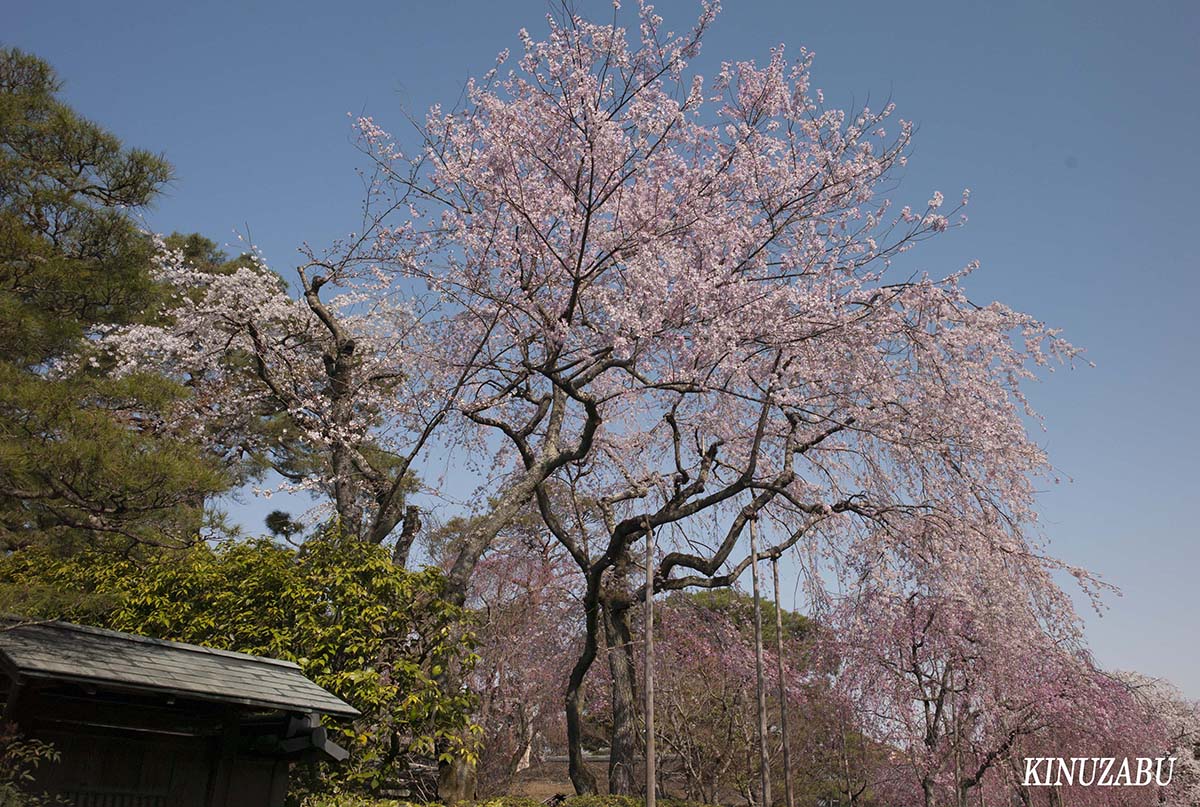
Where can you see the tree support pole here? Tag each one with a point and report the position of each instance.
(783, 704)
(764, 759)
(650, 760)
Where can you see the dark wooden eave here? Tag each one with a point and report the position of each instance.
(124, 662)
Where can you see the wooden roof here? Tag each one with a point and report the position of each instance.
(61, 651)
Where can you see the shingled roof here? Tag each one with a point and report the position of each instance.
(61, 651)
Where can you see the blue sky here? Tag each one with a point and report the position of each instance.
(1074, 123)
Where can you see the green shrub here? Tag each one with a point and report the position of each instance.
(350, 800)
(372, 633)
(604, 801)
(509, 801)
(19, 757)
(624, 801)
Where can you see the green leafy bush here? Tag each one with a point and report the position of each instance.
(350, 800)
(376, 635)
(624, 801)
(509, 801)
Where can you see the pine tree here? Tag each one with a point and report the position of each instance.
(82, 453)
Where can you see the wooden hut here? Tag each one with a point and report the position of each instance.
(141, 722)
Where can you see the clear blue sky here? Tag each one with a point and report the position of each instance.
(1074, 124)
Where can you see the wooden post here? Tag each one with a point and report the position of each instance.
(223, 750)
(650, 760)
(783, 710)
(764, 758)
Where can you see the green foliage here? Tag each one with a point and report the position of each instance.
(86, 454)
(378, 636)
(198, 250)
(19, 758)
(80, 452)
(624, 801)
(70, 252)
(605, 801)
(353, 800)
(281, 524)
(509, 801)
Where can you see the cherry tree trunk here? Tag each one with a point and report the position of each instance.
(408, 534)
(927, 792)
(581, 776)
(623, 751)
(456, 781)
(456, 776)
